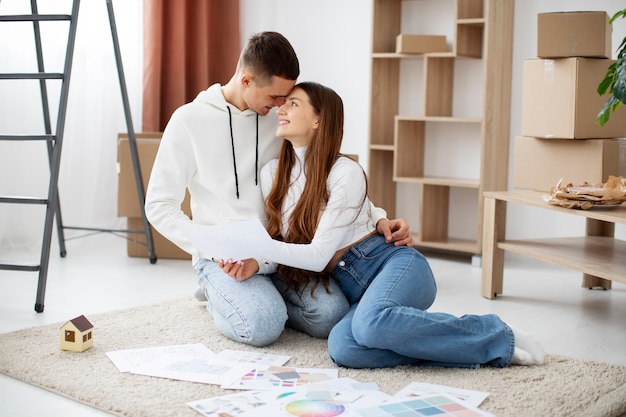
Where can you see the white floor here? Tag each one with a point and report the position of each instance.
(97, 276)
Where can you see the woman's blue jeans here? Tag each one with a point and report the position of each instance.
(390, 288)
(255, 311)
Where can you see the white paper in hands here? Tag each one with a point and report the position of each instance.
(236, 240)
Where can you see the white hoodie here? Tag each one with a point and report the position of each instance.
(196, 152)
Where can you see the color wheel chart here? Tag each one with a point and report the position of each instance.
(437, 405)
(314, 408)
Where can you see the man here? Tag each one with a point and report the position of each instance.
(215, 147)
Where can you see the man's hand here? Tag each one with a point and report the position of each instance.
(239, 270)
(396, 231)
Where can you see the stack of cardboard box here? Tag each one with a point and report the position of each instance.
(560, 138)
(128, 202)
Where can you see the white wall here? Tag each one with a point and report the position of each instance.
(88, 176)
(332, 39)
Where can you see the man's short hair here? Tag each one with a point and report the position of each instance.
(270, 54)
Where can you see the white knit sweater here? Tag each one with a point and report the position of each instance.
(346, 219)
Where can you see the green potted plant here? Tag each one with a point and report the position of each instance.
(614, 81)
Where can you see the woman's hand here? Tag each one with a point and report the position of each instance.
(239, 270)
(396, 231)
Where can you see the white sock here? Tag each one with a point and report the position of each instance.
(199, 294)
(521, 357)
(526, 343)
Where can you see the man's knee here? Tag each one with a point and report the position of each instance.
(260, 335)
(256, 327)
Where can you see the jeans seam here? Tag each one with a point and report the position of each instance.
(235, 309)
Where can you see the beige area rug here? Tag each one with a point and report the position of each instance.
(563, 387)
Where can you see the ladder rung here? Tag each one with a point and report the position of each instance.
(19, 267)
(32, 76)
(34, 17)
(23, 200)
(49, 138)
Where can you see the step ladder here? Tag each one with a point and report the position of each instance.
(54, 141)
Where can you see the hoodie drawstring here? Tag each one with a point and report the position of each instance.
(232, 144)
(256, 161)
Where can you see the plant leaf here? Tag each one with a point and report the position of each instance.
(606, 84)
(614, 81)
(605, 113)
(619, 85)
(621, 13)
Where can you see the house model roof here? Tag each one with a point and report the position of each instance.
(81, 323)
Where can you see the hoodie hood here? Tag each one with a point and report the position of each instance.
(214, 97)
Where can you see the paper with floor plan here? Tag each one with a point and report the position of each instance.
(193, 362)
(236, 240)
(194, 368)
(132, 359)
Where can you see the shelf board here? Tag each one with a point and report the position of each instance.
(439, 119)
(599, 256)
(379, 147)
(450, 244)
(394, 55)
(479, 21)
(447, 182)
(535, 199)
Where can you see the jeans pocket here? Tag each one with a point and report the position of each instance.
(361, 265)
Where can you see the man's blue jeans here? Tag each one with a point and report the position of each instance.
(390, 288)
(256, 310)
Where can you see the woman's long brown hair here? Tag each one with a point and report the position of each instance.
(320, 157)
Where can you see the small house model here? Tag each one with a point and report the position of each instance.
(76, 334)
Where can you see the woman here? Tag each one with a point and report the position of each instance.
(317, 205)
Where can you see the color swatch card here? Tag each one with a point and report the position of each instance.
(438, 405)
(272, 377)
(422, 389)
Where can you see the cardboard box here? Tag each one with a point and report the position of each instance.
(560, 99)
(128, 201)
(163, 248)
(420, 44)
(574, 34)
(147, 147)
(538, 164)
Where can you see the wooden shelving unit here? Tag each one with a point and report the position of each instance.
(597, 255)
(483, 30)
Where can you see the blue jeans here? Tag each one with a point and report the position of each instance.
(256, 310)
(390, 288)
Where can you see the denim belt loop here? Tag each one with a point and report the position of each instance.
(355, 250)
